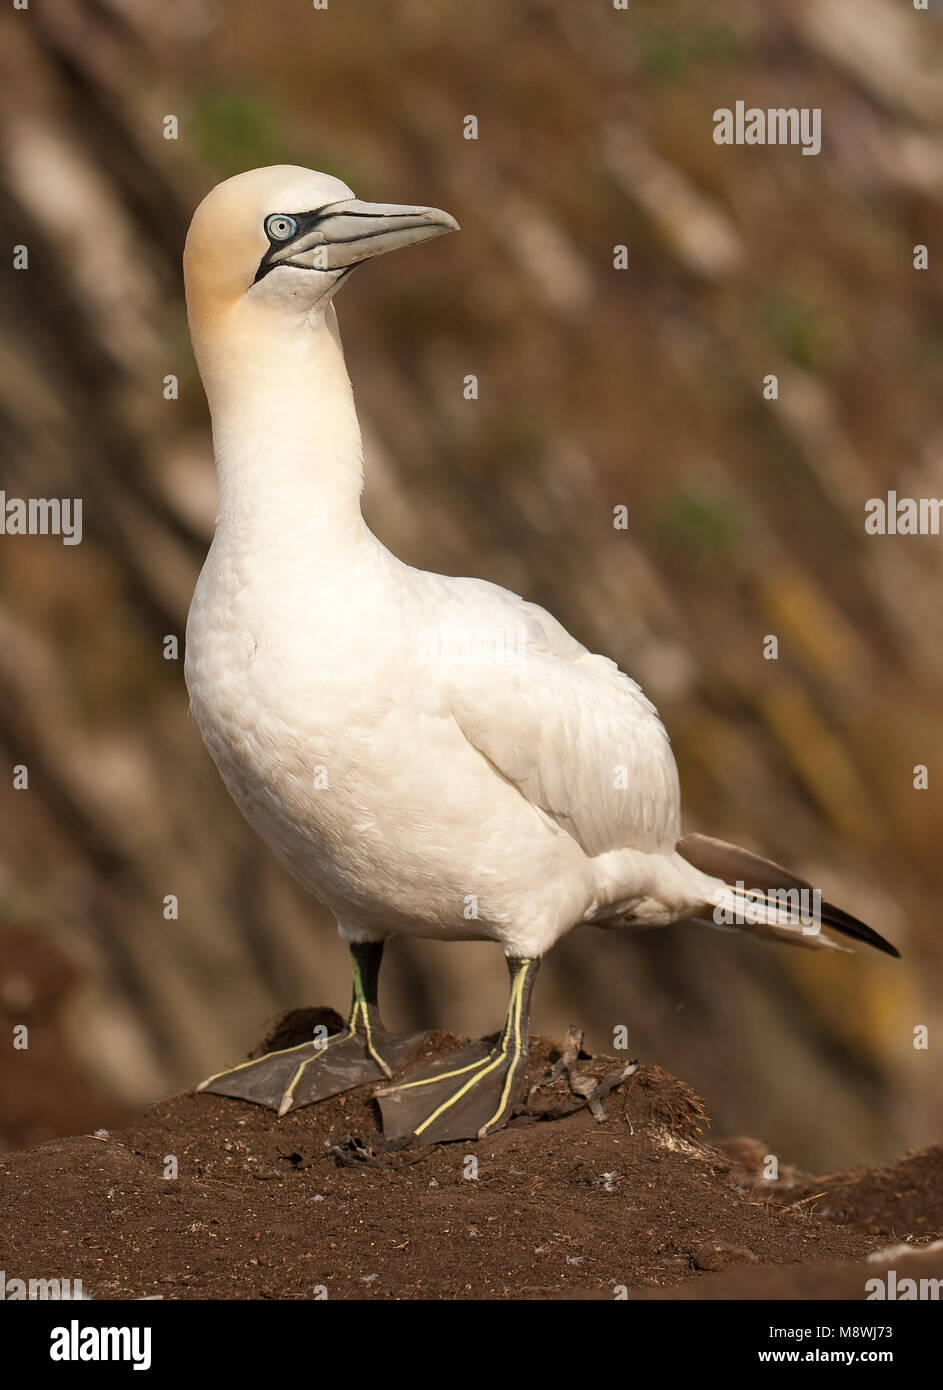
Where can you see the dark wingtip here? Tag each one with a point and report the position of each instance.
(850, 926)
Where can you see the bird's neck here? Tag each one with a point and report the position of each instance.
(285, 434)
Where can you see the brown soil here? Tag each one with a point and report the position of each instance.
(568, 1206)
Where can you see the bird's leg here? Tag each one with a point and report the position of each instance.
(474, 1093)
(364, 1016)
(362, 1051)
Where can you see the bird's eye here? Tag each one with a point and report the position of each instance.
(280, 226)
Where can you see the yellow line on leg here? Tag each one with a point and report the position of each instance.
(285, 1103)
(512, 1035)
(454, 1099)
(431, 1080)
(514, 1013)
(364, 1012)
(319, 1047)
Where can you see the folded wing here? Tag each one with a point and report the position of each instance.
(574, 734)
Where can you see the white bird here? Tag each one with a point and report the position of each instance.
(429, 756)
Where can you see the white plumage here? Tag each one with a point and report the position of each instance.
(429, 755)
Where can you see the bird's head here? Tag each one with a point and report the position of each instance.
(283, 238)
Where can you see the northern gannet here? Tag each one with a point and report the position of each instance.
(428, 755)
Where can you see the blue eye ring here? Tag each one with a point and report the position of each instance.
(279, 226)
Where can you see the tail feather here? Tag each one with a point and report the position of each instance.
(774, 926)
(735, 865)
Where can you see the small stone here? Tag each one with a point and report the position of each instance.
(713, 1255)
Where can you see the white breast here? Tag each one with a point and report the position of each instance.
(333, 734)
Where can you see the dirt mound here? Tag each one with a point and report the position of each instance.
(569, 1206)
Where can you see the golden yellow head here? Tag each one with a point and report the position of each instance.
(287, 236)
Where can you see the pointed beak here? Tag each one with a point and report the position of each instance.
(343, 234)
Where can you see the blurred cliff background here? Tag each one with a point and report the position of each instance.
(598, 388)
